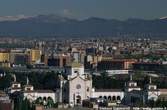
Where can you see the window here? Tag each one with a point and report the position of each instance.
(105, 97)
(15, 86)
(113, 98)
(132, 85)
(87, 89)
(78, 86)
(28, 89)
(118, 98)
(152, 88)
(109, 98)
(75, 71)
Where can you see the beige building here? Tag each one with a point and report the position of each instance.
(35, 56)
(4, 57)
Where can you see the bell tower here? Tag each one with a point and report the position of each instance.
(131, 85)
(15, 86)
(151, 91)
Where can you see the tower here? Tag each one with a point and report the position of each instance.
(151, 91)
(132, 92)
(131, 85)
(28, 87)
(61, 83)
(15, 86)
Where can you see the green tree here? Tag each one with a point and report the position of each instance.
(5, 81)
(151, 103)
(26, 105)
(50, 102)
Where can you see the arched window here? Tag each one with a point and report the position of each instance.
(78, 99)
(44, 98)
(105, 97)
(76, 71)
(50, 102)
(100, 97)
(113, 98)
(109, 98)
(118, 98)
(87, 89)
(39, 100)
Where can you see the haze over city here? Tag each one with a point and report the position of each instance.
(116, 9)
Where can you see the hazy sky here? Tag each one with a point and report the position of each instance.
(119, 9)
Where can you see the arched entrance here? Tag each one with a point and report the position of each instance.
(118, 98)
(109, 98)
(114, 98)
(105, 97)
(78, 99)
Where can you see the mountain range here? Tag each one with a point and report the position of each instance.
(53, 25)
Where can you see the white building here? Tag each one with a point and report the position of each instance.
(114, 95)
(79, 87)
(33, 95)
(29, 92)
(44, 94)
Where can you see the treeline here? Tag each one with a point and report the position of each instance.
(118, 81)
(48, 80)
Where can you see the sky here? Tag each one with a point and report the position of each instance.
(81, 9)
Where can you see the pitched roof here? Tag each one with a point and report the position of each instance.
(88, 78)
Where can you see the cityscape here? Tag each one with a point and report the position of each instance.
(93, 73)
(112, 56)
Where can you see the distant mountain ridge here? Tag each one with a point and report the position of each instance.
(53, 25)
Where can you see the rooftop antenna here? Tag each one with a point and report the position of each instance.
(150, 80)
(125, 84)
(131, 77)
(27, 81)
(14, 77)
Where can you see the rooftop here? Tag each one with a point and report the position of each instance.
(108, 90)
(39, 91)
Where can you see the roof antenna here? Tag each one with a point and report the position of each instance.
(27, 81)
(150, 80)
(14, 77)
(131, 77)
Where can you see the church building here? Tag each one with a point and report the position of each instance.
(78, 87)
